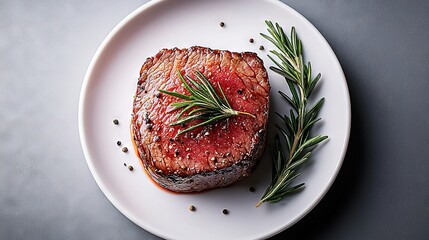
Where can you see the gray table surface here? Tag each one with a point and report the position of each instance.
(47, 191)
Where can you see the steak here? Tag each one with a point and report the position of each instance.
(211, 156)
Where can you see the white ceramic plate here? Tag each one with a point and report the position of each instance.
(107, 93)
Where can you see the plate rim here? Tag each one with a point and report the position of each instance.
(113, 200)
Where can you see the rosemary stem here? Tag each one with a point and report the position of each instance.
(296, 64)
(232, 112)
(246, 113)
(298, 133)
(293, 148)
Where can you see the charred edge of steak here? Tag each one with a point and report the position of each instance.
(207, 180)
(196, 48)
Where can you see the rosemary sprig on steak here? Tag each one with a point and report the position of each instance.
(296, 126)
(203, 104)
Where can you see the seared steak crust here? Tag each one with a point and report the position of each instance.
(211, 156)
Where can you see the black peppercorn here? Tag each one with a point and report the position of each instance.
(192, 208)
(119, 143)
(222, 24)
(124, 149)
(130, 168)
(116, 121)
(225, 211)
(261, 47)
(251, 40)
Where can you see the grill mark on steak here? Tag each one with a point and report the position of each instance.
(194, 161)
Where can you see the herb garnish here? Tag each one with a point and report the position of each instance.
(297, 126)
(204, 103)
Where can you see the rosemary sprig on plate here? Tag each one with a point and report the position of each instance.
(296, 127)
(203, 104)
